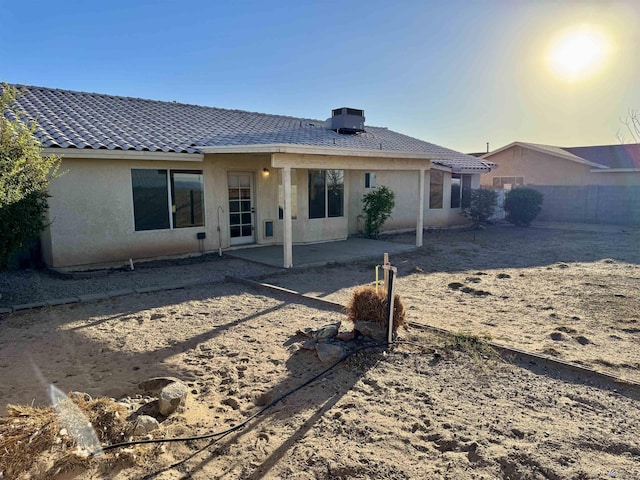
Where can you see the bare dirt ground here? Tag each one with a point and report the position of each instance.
(428, 409)
(571, 294)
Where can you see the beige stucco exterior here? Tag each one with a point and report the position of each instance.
(542, 168)
(91, 205)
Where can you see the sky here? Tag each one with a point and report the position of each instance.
(455, 73)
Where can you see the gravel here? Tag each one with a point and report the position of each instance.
(32, 286)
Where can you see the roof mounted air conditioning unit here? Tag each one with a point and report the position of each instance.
(347, 120)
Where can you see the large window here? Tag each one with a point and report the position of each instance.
(436, 187)
(326, 193)
(167, 199)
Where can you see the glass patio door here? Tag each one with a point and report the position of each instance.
(241, 210)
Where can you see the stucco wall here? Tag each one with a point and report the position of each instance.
(537, 168)
(92, 223)
(405, 185)
(91, 213)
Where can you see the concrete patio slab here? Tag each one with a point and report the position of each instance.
(318, 254)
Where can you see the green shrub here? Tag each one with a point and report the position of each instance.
(478, 205)
(377, 207)
(522, 205)
(24, 178)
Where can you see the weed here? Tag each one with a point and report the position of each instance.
(476, 346)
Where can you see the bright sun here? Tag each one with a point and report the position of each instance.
(577, 53)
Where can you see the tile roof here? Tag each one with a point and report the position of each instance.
(68, 119)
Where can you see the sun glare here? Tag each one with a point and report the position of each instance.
(577, 53)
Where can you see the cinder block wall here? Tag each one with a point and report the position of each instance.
(606, 204)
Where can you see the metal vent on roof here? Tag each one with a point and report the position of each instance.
(347, 120)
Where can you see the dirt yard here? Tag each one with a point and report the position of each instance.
(431, 408)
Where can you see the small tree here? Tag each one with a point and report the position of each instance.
(24, 178)
(522, 205)
(479, 204)
(377, 207)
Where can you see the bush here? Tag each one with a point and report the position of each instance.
(522, 205)
(478, 205)
(377, 208)
(24, 178)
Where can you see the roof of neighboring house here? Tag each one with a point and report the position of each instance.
(68, 119)
(612, 156)
(604, 157)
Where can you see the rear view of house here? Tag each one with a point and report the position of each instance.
(146, 179)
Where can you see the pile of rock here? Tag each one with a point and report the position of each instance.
(331, 345)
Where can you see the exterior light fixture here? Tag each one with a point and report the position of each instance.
(265, 172)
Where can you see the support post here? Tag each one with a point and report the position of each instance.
(286, 218)
(420, 215)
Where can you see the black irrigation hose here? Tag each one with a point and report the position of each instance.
(228, 431)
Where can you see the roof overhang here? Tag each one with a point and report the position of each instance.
(342, 152)
(91, 153)
(614, 170)
(318, 150)
(541, 149)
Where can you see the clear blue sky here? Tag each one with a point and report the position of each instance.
(455, 73)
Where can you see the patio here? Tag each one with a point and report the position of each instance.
(318, 254)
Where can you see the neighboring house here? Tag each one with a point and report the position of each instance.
(146, 179)
(598, 184)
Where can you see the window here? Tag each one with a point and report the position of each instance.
(294, 195)
(436, 186)
(165, 199)
(370, 180)
(326, 193)
(460, 186)
(188, 202)
(507, 182)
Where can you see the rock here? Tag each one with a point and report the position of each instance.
(171, 397)
(371, 329)
(232, 402)
(323, 333)
(157, 383)
(329, 352)
(309, 344)
(144, 425)
(346, 336)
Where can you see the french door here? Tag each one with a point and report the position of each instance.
(241, 208)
